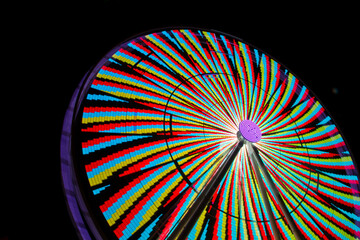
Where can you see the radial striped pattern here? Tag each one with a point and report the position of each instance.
(161, 115)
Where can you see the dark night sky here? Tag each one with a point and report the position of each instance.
(318, 44)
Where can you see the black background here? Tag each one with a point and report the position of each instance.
(60, 42)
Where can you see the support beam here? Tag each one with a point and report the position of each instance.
(188, 221)
(263, 192)
(259, 164)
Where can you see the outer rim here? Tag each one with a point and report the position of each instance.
(72, 114)
(154, 30)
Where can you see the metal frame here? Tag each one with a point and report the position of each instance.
(77, 205)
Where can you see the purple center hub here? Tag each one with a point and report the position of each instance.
(250, 131)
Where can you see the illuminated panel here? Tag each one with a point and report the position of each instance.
(160, 115)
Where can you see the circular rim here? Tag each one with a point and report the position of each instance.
(89, 80)
(154, 30)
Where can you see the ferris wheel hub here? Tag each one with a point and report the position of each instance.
(250, 131)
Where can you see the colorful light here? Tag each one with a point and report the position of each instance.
(158, 117)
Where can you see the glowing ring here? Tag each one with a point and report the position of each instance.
(148, 127)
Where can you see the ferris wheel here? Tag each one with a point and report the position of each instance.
(195, 134)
